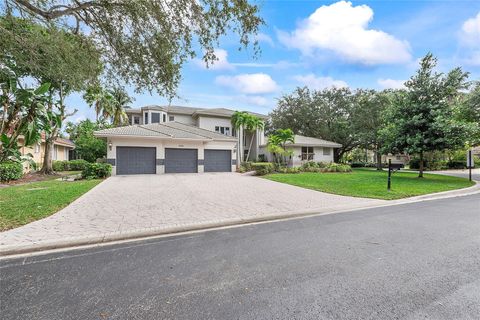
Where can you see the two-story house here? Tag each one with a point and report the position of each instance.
(168, 139)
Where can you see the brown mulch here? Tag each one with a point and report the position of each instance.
(32, 177)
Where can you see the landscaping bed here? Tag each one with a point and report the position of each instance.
(368, 183)
(22, 204)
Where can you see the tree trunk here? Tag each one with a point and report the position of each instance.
(420, 172)
(249, 148)
(47, 167)
(379, 160)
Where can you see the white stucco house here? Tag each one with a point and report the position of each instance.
(306, 149)
(175, 139)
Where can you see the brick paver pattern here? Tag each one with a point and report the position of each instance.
(138, 202)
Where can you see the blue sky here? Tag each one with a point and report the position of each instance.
(359, 44)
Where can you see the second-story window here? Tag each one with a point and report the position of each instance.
(155, 117)
(223, 130)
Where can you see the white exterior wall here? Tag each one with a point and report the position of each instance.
(209, 123)
(161, 144)
(297, 154)
(182, 118)
(317, 157)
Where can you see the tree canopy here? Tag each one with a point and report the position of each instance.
(87, 146)
(422, 117)
(146, 42)
(326, 114)
(48, 54)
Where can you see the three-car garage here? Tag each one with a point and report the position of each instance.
(168, 148)
(142, 160)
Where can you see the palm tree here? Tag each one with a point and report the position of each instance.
(282, 136)
(119, 100)
(97, 97)
(249, 122)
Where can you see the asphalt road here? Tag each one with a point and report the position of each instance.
(412, 261)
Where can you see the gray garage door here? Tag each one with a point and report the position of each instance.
(218, 161)
(181, 160)
(136, 160)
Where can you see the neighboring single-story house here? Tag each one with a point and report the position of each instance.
(306, 149)
(168, 147)
(60, 151)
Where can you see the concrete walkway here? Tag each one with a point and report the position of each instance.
(133, 206)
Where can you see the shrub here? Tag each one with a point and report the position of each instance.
(78, 165)
(457, 164)
(358, 164)
(337, 167)
(290, 170)
(262, 168)
(60, 165)
(310, 164)
(96, 171)
(247, 166)
(10, 170)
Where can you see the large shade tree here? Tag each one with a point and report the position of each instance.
(422, 117)
(48, 54)
(146, 42)
(369, 119)
(326, 114)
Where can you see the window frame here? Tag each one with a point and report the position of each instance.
(156, 114)
(145, 118)
(328, 151)
(222, 130)
(171, 118)
(306, 155)
(136, 120)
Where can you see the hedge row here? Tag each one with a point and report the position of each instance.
(263, 168)
(10, 171)
(71, 165)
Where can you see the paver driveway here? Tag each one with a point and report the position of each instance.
(125, 204)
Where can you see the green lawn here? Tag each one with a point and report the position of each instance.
(22, 204)
(369, 183)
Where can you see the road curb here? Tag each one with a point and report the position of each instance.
(11, 250)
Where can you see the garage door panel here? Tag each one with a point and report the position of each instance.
(217, 160)
(136, 160)
(181, 160)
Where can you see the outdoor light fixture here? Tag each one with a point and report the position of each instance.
(110, 145)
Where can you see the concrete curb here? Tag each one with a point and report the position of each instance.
(158, 231)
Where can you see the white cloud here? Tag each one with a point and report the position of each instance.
(249, 83)
(343, 29)
(220, 64)
(470, 33)
(262, 37)
(318, 83)
(470, 39)
(256, 100)
(391, 83)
